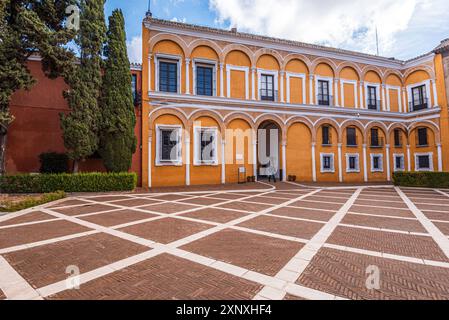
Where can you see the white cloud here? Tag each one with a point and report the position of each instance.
(345, 23)
(135, 49)
(182, 20)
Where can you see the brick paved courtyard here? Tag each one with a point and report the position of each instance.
(259, 241)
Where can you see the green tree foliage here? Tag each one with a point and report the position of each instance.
(26, 28)
(118, 142)
(81, 125)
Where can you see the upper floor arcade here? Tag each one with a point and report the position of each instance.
(210, 64)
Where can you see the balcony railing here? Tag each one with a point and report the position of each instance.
(268, 95)
(325, 100)
(419, 105)
(373, 104)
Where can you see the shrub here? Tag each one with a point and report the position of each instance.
(81, 182)
(53, 162)
(422, 179)
(12, 206)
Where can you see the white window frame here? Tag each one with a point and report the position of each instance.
(397, 155)
(205, 62)
(168, 58)
(197, 146)
(378, 93)
(300, 76)
(342, 89)
(332, 169)
(425, 83)
(331, 88)
(357, 169)
(229, 68)
(381, 156)
(275, 75)
(159, 161)
(430, 154)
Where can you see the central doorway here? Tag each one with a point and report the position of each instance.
(268, 150)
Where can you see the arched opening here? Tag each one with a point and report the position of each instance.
(269, 137)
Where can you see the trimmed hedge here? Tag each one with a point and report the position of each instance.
(12, 206)
(81, 182)
(422, 179)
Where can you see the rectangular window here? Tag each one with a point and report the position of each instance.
(168, 76)
(267, 87)
(351, 137)
(377, 163)
(419, 98)
(168, 145)
(372, 98)
(327, 162)
(422, 137)
(423, 162)
(375, 138)
(323, 93)
(397, 138)
(399, 162)
(352, 163)
(206, 146)
(204, 81)
(326, 135)
(134, 86)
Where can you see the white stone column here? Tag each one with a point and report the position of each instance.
(284, 161)
(222, 80)
(337, 81)
(187, 162)
(440, 158)
(340, 169)
(281, 77)
(150, 139)
(312, 100)
(365, 164)
(384, 99)
(404, 100)
(435, 94)
(362, 100)
(149, 72)
(223, 162)
(253, 83)
(387, 154)
(187, 76)
(156, 75)
(313, 162)
(409, 160)
(255, 154)
(401, 102)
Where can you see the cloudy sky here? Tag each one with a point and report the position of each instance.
(406, 28)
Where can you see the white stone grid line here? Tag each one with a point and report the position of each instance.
(296, 266)
(275, 287)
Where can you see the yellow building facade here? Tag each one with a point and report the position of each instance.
(335, 115)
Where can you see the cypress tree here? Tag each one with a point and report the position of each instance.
(118, 142)
(81, 126)
(28, 27)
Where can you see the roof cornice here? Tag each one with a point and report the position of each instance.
(281, 44)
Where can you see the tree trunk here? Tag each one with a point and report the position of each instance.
(3, 138)
(75, 166)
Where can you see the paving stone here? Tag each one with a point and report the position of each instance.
(292, 297)
(400, 244)
(171, 207)
(267, 200)
(304, 213)
(29, 217)
(384, 223)
(37, 232)
(89, 208)
(381, 203)
(393, 212)
(316, 205)
(165, 277)
(287, 227)
(110, 198)
(345, 274)
(250, 251)
(245, 206)
(116, 218)
(69, 202)
(166, 230)
(2, 295)
(202, 201)
(215, 215)
(444, 227)
(47, 264)
(433, 215)
(135, 202)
